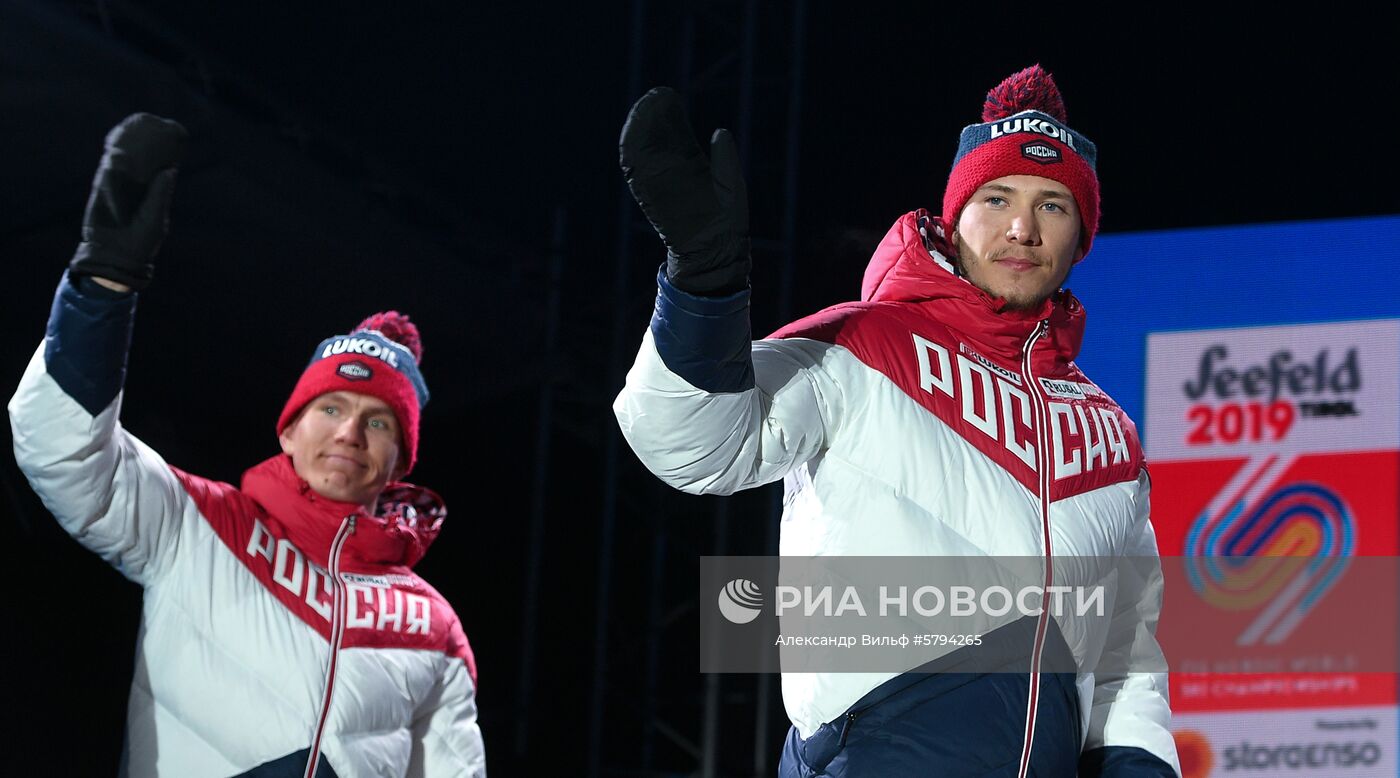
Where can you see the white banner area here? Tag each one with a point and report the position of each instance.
(1291, 389)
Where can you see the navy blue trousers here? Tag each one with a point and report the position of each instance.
(946, 724)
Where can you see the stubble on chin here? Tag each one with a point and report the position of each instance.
(1014, 301)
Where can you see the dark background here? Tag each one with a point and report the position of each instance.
(458, 162)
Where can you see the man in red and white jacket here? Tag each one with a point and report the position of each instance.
(283, 629)
(942, 415)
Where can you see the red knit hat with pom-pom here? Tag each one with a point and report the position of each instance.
(1023, 132)
(378, 358)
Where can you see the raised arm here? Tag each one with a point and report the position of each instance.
(107, 489)
(704, 408)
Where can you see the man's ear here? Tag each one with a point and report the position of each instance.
(285, 437)
(286, 441)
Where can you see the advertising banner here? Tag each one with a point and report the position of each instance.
(1268, 443)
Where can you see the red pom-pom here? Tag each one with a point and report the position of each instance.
(396, 327)
(1031, 89)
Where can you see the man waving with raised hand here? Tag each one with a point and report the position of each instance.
(941, 415)
(283, 629)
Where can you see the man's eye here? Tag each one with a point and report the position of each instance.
(994, 200)
(330, 410)
(377, 423)
(1055, 207)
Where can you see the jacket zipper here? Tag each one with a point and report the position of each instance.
(338, 608)
(1043, 491)
(846, 728)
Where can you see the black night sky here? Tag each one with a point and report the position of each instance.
(457, 161)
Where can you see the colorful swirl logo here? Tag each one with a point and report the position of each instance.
(1270, 546)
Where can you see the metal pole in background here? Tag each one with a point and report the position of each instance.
(747, 43)
(659, 543)
(709, 748)
(622, 272)
(794, 160)
(539, 483)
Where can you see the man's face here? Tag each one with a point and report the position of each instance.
(346, 445)
(1018, 237)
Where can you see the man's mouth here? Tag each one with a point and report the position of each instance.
(343, 461)
(1019, 264)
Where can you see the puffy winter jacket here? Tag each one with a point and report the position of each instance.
(920, 421)
(278, 627)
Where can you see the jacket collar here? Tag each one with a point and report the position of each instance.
(903, 270)
(408, 520)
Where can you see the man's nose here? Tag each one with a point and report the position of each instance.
(1023, 229)
(350, 431)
